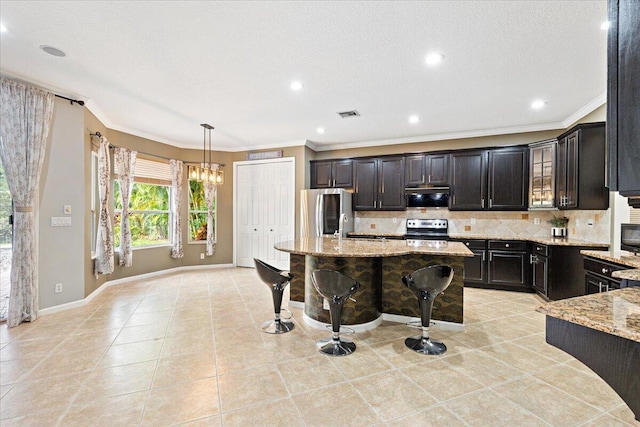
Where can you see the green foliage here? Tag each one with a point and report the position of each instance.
(147, 228)
(559, 221)
(5, 209)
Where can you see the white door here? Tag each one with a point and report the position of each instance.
(264, 211)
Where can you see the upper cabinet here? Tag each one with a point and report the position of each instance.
(580, 168)
(623, 93)
(332, 174)
(489, 179)
(379, 183)
(542, 160)
(427, 169)
(468, 184)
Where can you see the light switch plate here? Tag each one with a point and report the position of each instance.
(60, 221)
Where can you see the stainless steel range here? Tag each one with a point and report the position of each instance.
(427, 229)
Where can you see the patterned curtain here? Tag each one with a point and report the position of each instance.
(104, 238)
(25, 119)
(125, 165)
(210, 196)
(176, 202)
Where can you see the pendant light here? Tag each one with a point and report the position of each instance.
(206, 171)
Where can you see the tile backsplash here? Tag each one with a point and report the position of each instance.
(592, 226)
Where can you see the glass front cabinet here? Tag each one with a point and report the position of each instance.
(542, 179)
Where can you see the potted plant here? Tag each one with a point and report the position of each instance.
(559, 226)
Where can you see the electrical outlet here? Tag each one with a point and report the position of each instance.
(58, 288)
(394, 220)
(590, 222)
(201, 256)
(536, 221)
(473, 221)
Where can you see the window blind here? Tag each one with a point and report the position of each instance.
(150, 172)
(634, 215)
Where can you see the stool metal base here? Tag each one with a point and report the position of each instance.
(277, 327)
(332, 347)
(423, 345)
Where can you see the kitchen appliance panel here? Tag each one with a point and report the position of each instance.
(321, 210)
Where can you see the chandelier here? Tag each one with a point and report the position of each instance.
(207, 171)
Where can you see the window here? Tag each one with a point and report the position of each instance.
(149, 205)
(198, 213)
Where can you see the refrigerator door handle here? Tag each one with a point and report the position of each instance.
(319, 215)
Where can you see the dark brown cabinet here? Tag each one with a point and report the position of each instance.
(332, 174)
(508, 264)
(490, 179)
(508, 179)
(598, 278)
(557, 272)
(427, 169)
(379, 183)
(623, 93)
(468, 185)
(475, 269)
(580, 168)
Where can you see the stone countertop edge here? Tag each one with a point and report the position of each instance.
(550, 241)
(627, 274)
(365, 248)
(623, 258)
(615, 312)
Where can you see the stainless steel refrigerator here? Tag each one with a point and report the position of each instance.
(322, 210)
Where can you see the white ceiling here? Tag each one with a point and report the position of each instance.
(159, 69)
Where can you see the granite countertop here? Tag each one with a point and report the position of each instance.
(627, 274)
(614, 312)
(537, 239)
(366, 248)
(551, 241)
(619, 257)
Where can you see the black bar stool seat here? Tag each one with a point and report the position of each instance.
(277, 280)
(427, 283)
(336, 288)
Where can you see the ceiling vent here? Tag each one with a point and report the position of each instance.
(347, 114)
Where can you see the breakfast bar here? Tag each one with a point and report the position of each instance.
(379, 266)
(602, 331)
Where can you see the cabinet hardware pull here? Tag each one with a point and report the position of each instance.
(483, 256)
(506, 245)
(490, 202)
(604, 271)
(490, 256)
(599, 286)
(531, 259)
(482, 203)
(429, 179)
(422, 178)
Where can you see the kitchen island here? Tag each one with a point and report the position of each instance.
(602, 331)
(379, 266)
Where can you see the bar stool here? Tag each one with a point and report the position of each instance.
(427, 283)
(277, 280)
(336, 288)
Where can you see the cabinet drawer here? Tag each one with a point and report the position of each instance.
(601, 268)
(538, 249)
(507, 245)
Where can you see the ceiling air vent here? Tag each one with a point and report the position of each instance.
(346, 114)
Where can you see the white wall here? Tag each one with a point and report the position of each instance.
(61, 248)
(620, 214)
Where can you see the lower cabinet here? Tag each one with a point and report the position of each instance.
(497, 264)
(557, 272)
(597, 277)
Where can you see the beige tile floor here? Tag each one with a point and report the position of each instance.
(186, 349)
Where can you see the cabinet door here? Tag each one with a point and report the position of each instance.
(572, 171)
(508, 179)
(475, 268)
(365, 196)
(437, 169)
(342, 173)
(541, 274)
(414, 170)
(507, 268)
(468, 180)
(321, 176)
(391, 183)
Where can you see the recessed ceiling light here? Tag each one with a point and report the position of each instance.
(52, 50)
(414, 119)
(3, 29)
(296, 85)
(538, 104)
(434, 58)
(320, 130)
(605, 25)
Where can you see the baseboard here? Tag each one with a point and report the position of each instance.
(296, 304)
(105, 285)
